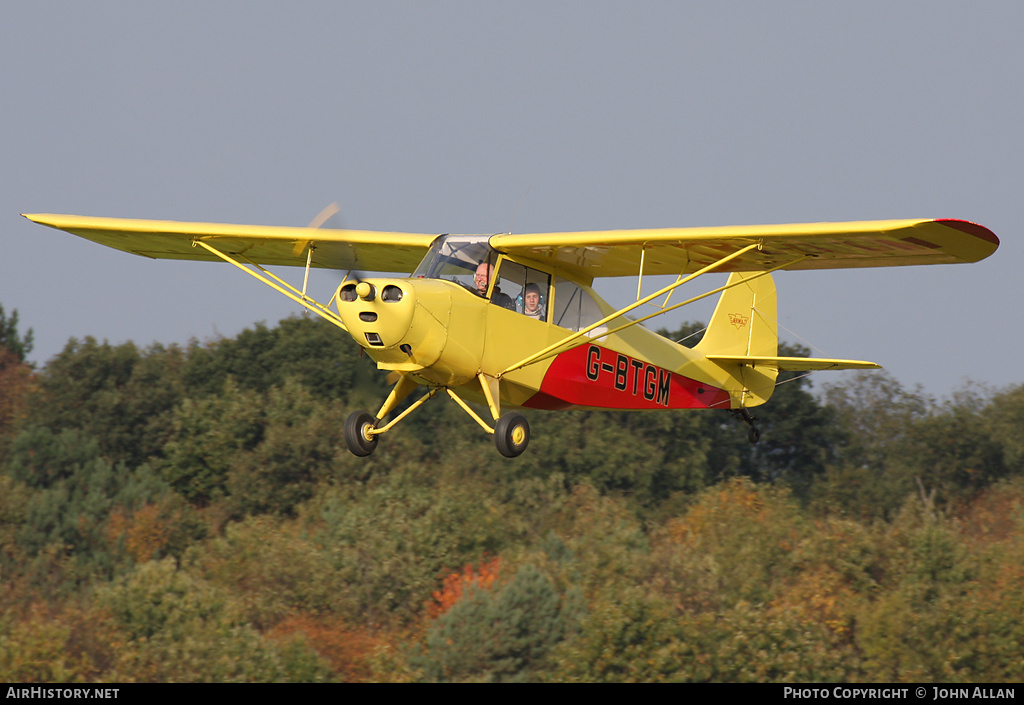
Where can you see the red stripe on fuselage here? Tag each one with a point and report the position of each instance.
(590, 375)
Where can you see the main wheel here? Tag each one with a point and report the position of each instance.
(512, 434)
(357, 439)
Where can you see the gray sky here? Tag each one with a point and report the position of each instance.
(531, 116)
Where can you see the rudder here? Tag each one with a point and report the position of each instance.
(745, 324)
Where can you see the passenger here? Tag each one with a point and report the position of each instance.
(532, 306)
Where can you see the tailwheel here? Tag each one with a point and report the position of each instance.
(357, 437)
(753, 433)
(511, 434)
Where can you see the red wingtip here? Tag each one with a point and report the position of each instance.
(971, 229)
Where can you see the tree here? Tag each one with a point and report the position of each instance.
(209, 433)
(179, 628)
(114, 393)
(1005, 416)
(10, 339)
(16, 382)
(798, 435)
(500, 635)
(16, 376)
(312, 350)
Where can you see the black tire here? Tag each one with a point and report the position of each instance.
(356, 425)
(512, 434)
(754, 434)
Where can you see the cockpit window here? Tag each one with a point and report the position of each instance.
(456, 258)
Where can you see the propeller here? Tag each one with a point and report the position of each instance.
(325, 215)
(321, 218)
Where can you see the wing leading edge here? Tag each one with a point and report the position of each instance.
(879, 243)
(263, 244)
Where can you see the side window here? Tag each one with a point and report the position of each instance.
(527, 288)
(574, 308)
(568, 297)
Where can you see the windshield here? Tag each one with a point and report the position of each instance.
(456, 258)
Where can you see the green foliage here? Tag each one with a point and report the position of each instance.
(1004, 416)
(753, 644)
(208, 434)
(272, 570)
(799, 435)
(192, 515)
(16, 378)
(648, 457)
(300, 446)
(500, 635)
(40, 458)
(14, 498)
(180, 628)
(899, 444)
(115, 394)
(391, 539)
(710, 602)
(309, 349)
(67, 644)
(70, 494)
(688, 334)
(736, 544)
(72, 518)
(11, 340)
(600, 541)
(629, 637)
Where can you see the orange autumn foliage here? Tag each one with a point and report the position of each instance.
(348, 651)
(146, 532)
(455, 585)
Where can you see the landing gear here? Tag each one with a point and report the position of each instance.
(511, 431)
(754, 434)
(512, 434)
(357, 437)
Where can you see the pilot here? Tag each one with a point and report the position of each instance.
(483, 275)
(532, 305)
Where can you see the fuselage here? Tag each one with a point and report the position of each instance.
(441, 330)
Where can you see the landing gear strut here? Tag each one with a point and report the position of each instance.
(511, 431)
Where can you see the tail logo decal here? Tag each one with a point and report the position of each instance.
(738, 320)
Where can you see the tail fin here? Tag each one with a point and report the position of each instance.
(743, 340)
(743, 331)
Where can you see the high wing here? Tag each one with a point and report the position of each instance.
(879, 243)
(587, 254)
(262, 244)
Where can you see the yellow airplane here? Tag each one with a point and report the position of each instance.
(512, 321)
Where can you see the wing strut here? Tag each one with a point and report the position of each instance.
(557, 348)
(278, 284)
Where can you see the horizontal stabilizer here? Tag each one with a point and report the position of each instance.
(794, 364)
